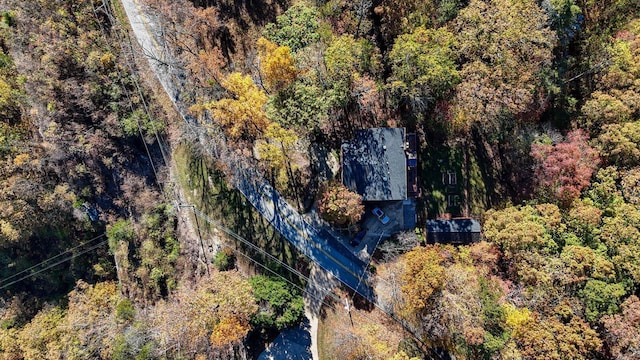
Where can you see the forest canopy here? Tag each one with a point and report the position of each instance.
(532, 106)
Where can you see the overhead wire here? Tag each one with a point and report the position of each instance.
(286, 266)
(4, 286)
(52, 258)
(129, 98)
(217, 224)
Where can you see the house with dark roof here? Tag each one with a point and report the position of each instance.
(453, 231)
(380, 164)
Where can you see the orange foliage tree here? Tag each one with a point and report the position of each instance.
(340, 205)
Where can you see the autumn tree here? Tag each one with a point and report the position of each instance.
(96, 305)
(277, 149)
(619, 144)
(631, 186)
(617, 96)
(564, 169)
(557, 338)
(41, 337)
(277, 64)
(340, 205)
(422, 278)
(193, 33)
(505, 47)
(622, 331)
(583, 263)
(403, 16)
(208, 319)
(241, 115)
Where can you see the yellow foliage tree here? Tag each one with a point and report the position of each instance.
(516, 319)
(423, 276)
(277, 64)
(242, 115)
(228, 331)
(277, 149)
(402, 356)
(40, 338)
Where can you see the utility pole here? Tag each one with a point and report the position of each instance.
(347, 307)
(195, 215)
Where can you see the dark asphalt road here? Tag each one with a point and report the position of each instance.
(320, 246)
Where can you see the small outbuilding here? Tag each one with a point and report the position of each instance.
(454, 231)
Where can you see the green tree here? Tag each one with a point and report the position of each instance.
(346, 59)
(621, 234)
(423, 68)
(297, 28)
(601, 298)
(302, 106)
(281, 304)
(224, 259)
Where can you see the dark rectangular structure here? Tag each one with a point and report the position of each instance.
(454, 231)
(374, 164)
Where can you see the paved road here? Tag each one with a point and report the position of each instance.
(320, 246)
(143, 27)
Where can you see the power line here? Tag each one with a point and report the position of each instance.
(51, 258)
(286, 266)
(233, 234)
(55, 264)
(107, 11)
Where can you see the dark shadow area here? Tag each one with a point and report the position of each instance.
(209, 192)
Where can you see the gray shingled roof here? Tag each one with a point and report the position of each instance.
(453, 226)
(374, 164)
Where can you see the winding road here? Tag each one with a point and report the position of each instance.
(319, 246)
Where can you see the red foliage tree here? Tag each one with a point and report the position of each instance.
(623, 330)
(340, 205)
(564, 169)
